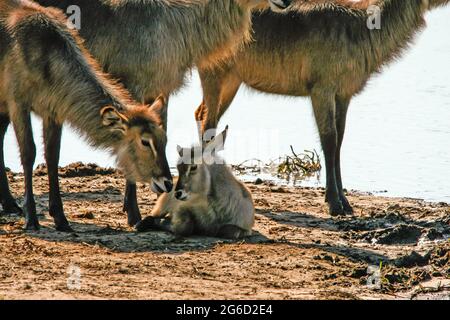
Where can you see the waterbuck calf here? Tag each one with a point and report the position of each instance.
(207, 200)
(150, 45)
(324, 51)
(45, 69)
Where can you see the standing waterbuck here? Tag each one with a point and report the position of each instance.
(207, 200)
(325, 51)
(150, 45)
(45, 69)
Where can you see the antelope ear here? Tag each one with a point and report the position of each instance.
(218, 143)
(114, 119)
(159, 108)
(180, 150)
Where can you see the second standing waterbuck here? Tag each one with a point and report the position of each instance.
(324, 51)
(45, 69)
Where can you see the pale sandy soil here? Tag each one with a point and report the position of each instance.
(297, 251)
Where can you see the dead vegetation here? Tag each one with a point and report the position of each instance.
(293, 167)
(77, 169)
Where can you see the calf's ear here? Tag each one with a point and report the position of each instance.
(217, 143)
(180, 150)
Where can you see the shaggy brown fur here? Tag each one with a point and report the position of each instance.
(324, 51)
(150, 45)
(44, 68)
(207, 200)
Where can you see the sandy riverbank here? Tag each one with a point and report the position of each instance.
(297, 251)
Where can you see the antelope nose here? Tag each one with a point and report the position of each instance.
(162, 185)
(169, 185)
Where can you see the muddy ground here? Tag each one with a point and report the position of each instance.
(297, 250)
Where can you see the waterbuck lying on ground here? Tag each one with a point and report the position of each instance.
(207, 200)
(324, 51)
(45, 69)
(150, 44)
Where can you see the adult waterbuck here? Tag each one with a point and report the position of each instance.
(207, 200)
(45, 69)
(150, 44)
(325, 51)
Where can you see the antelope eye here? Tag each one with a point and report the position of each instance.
(145, 143)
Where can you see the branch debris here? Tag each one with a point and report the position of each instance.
(296, 166)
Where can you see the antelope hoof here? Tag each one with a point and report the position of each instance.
(61, 223)
(133, 220)
(11, 207)
(64, 228)
(145, 225)
(336, 208)
(32, 225)
(347, 207)
(133, 214)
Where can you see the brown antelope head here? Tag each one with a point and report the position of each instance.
(141, 149)
(194, 167)
(275, 5)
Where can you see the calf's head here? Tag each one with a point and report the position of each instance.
(141, 148)
(194, 167)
